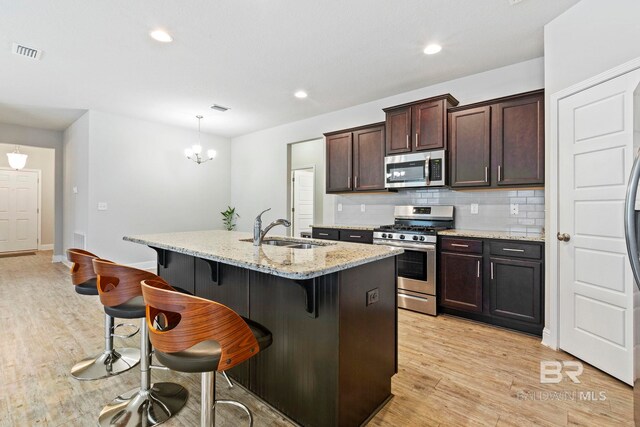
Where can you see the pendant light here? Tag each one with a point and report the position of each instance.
(193, 153)
(17, 160)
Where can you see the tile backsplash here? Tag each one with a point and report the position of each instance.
(493, 208)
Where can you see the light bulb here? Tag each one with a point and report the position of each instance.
(188, 152)
(197, 149)
(211, 153)
(17, 161)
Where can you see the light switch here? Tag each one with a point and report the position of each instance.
(102, 206)
(474, 208)
(514, 209)
(75, 190)
(363, 208)
(339, 207)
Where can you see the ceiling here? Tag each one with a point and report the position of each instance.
(249, 55)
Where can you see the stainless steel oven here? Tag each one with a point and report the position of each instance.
(415, 230)
(424, 169)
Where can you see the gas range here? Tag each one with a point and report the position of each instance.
(415, 225)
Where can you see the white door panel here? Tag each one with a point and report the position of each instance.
(595, 136)
(18, 211)
(303, 200)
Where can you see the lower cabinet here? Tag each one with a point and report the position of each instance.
(461, 281)
(500, 282)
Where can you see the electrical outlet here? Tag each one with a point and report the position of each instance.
(363, 208)
(339, 207)
(474, 208)
(75, 190)
(514, 209)
(102, 206)
(373, 296)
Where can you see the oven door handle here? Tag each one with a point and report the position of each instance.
(427, 165)
(409, 247)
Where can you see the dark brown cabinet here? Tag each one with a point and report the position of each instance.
(418, 126)
(494, 281)
(355, 159)
(498, 143)
(461, 281)
(344, 234)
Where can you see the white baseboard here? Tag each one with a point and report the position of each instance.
(546, 339)
(48, 247)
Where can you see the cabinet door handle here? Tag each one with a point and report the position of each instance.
(512, 250)
(478, 274)
(491, 270)
(355, 236)
(356, 180)
(486, 174)
(458, 245)
(348, 182)
(323, 234)
(499, 173)
(416, 139)
(407, 140)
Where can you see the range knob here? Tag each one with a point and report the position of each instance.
(422, 238)
(402, 237)
(415, 237)
(384, 235)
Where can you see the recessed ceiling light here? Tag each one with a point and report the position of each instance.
(300, 94)
(432, 49)
(161, 36)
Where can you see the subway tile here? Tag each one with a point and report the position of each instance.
(526, 193)
(535, 200)
(539, 193)
(525, 221)
(535, 214)
(518, 200)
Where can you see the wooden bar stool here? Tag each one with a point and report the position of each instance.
(192, 334)
(111, 361)
(150, 404)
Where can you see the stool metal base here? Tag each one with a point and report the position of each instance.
(144, 407)
(106, 364)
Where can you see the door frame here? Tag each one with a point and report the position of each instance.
(39, 208)
(292, 196)
(550, 334)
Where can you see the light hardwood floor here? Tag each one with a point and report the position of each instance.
(452, 372)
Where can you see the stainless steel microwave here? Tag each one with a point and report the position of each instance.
(425, 169)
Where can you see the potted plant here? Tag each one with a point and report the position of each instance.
(229, 218)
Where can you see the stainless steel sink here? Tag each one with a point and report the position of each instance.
(291, 244)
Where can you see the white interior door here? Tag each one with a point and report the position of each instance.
(595, 134)
(18, 210)
(303, 196)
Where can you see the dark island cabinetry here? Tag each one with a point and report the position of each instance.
(494, 281)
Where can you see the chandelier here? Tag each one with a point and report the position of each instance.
(17, 160)
(194, 152)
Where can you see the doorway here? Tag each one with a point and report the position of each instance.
(19, 210)
(302, 200)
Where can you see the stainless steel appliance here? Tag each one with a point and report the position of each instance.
(424, 169)
(415, 230)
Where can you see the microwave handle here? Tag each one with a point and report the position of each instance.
(427, 165)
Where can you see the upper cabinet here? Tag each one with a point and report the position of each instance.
(418, 126)
(355, 159)
(498, 143)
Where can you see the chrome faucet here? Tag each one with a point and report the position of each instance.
(259, 233)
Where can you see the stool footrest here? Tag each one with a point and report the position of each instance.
(132, 334)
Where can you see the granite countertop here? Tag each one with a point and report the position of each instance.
(346, 227)
(488, 234)
(226, 247)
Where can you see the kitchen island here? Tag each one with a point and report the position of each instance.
(331, 309)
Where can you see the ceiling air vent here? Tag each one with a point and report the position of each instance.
(28, 52)
(219, 108)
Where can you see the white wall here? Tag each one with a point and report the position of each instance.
(138, 168)
(590, 38)
(42, 159)
(33, 137)
(76, 175)
(259, 160)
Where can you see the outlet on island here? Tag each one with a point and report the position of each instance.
(373, 296)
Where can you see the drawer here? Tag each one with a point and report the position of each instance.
(326, 233)
(516, 249)
(462, 245)
(358, 236)
(422, 303)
